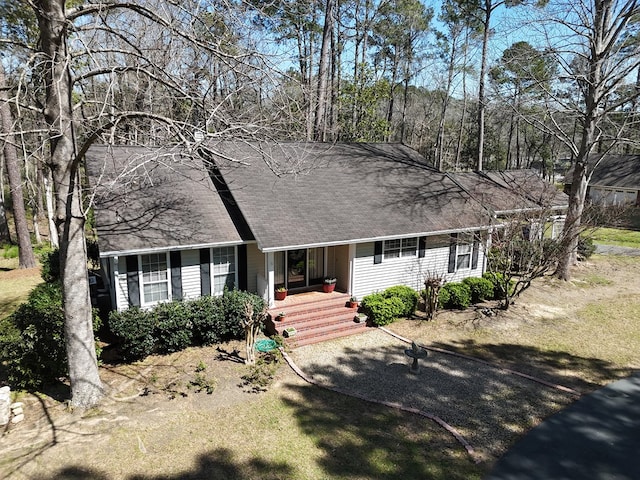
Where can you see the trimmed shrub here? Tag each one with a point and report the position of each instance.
(134, 329)
(233, 302)
(32, 341)
(407, 295)
(173, 329)
(206, 315)
(481, 289)
(381, 310)
(454, 295)
(498, 281)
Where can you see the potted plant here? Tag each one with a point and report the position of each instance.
(281, 293)
(353, 302)
(329, 284)
(280, 317)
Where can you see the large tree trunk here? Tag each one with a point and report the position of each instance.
(320, 125)
(26, 257)
(481, 84)
(86, 387)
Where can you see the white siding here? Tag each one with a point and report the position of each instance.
(409, 271)
(122, 293)
(190, 273)
(255, 267)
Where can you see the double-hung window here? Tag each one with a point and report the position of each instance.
(405, 247)
(464, 251)
(155, 278)
(224, 269)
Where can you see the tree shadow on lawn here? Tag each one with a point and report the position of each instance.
(217, 464)
(488, 406)
(360, 439)
(579, 373)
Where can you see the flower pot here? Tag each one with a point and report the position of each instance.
(281, 295)
(353, 304)
(328, 287)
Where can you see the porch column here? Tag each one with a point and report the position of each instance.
(352, 264)
(271, 278)
(114, 274)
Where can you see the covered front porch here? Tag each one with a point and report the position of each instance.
(303, 270)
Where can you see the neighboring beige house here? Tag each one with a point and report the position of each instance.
(615, 180)
(175, 224)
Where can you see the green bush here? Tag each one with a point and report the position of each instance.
(50, 260)
(481, 288)
(381, 310)
(455, 295)
(407, 295)
(134, 330)
(206, 314)
(171, 327)
(586, 247)
(32, 339)
(172, 330)
(499, 284)
(233, 302)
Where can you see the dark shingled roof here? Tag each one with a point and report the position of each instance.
(621, 171)
(613, 171)
(303, 194)
(287, 195)
(512, 190)
(148, 198)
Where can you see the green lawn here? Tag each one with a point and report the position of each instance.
(616, 236)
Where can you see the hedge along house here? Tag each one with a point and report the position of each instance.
(175, 224)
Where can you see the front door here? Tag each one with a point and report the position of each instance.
(297, 268)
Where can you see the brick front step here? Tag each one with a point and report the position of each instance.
(315, 319)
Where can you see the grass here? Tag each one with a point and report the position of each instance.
(616, 236)
(15, 286)
(582, 334)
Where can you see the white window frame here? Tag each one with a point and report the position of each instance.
(402, 248)
(464, 248)
(216, 272)
(167, 280)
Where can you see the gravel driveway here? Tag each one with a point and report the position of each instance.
(488, 406)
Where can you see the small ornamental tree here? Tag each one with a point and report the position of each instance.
(432, 285)
(251, 323)
(521, 251)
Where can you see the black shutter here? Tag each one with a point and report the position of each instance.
(133, 281)
(377, 252)
(422, 247)
(452, 252)
(476, 248)
(242, 267)
(205, 272)
(176, 275)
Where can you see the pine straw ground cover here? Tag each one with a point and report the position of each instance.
(157, 421)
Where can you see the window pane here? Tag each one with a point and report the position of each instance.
(278, 258)
(224, 269)
(392, 248)
(316, 263)
(155, 276)
(409, 247)
(156, 292)
(464, 261)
